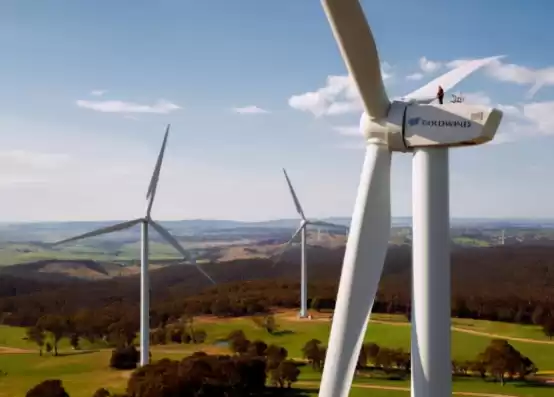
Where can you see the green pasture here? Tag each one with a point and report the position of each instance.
(83, 372)
(22, 253)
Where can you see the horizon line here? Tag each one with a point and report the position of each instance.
(486, 218)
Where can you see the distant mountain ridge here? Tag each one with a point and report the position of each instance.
(51, 231)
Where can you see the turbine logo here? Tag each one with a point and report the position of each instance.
(438, 123)
(414, 121)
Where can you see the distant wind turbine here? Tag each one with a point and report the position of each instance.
(304, 223)
(144, 276)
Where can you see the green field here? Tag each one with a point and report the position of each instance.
(22, 253)
(84, 372)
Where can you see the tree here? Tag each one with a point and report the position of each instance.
(257, 348)
(285, 374)
(275, 355)
(372, 350)
(74, 340)
(123, 332)
(538, 315)
(101, 393)
(199, 336)
(238, 342)
(270, 323)
(479, 367)
(548, 327)
(401, 359)
(384, 359)
(501, 358)
(316, 304)
(48, 388)
(314, 353)
(56, 325)
(37, 335)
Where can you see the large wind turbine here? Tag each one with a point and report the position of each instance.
(144, 276)
(304, 223)
(410, 124)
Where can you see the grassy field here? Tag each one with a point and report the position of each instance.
(23, 253)
(84, 372)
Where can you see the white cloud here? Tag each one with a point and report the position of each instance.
(325, 100)
(542, 115)
(415, 76)
(517, 74)
(428, 66)
(386, 71)
(457, 62)
(250, 110)
(98, 92)
(525, 121)
(338, 96)
(160, 107)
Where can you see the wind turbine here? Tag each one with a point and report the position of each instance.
(304, 223)
(144, 276)
(409, 124)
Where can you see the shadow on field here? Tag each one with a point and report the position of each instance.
(536, 383)
(296, 392)
(283, 332)
(77, 353)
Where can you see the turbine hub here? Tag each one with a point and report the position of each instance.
(389, 131)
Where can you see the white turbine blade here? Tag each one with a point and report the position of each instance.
(288, 244)
(294, 196)
(98, 232)
(358, 49)
(428, 93)
(173, 241)
(361, 271)
(150, 195)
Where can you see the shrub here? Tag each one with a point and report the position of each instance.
(48, 388)
(124, 358)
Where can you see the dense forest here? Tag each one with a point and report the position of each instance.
(503, 283)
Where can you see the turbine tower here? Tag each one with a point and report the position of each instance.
(409, 124)
(144, 276)
(304, 223)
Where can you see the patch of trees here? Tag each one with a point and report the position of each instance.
(500, 361)
(510, 283)
(181, 331)
(246, 373)
(113, 328)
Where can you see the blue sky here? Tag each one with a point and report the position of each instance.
(87, 88)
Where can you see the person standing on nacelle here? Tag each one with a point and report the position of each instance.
(440, 95)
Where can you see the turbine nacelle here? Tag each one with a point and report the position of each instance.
(411, 125)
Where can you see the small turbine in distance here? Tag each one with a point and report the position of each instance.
(144, 276)
(304, 223)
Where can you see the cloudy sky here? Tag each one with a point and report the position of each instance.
(249, 87)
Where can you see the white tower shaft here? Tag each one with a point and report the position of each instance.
(431, 357)
(144, 296)
(303, 276)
